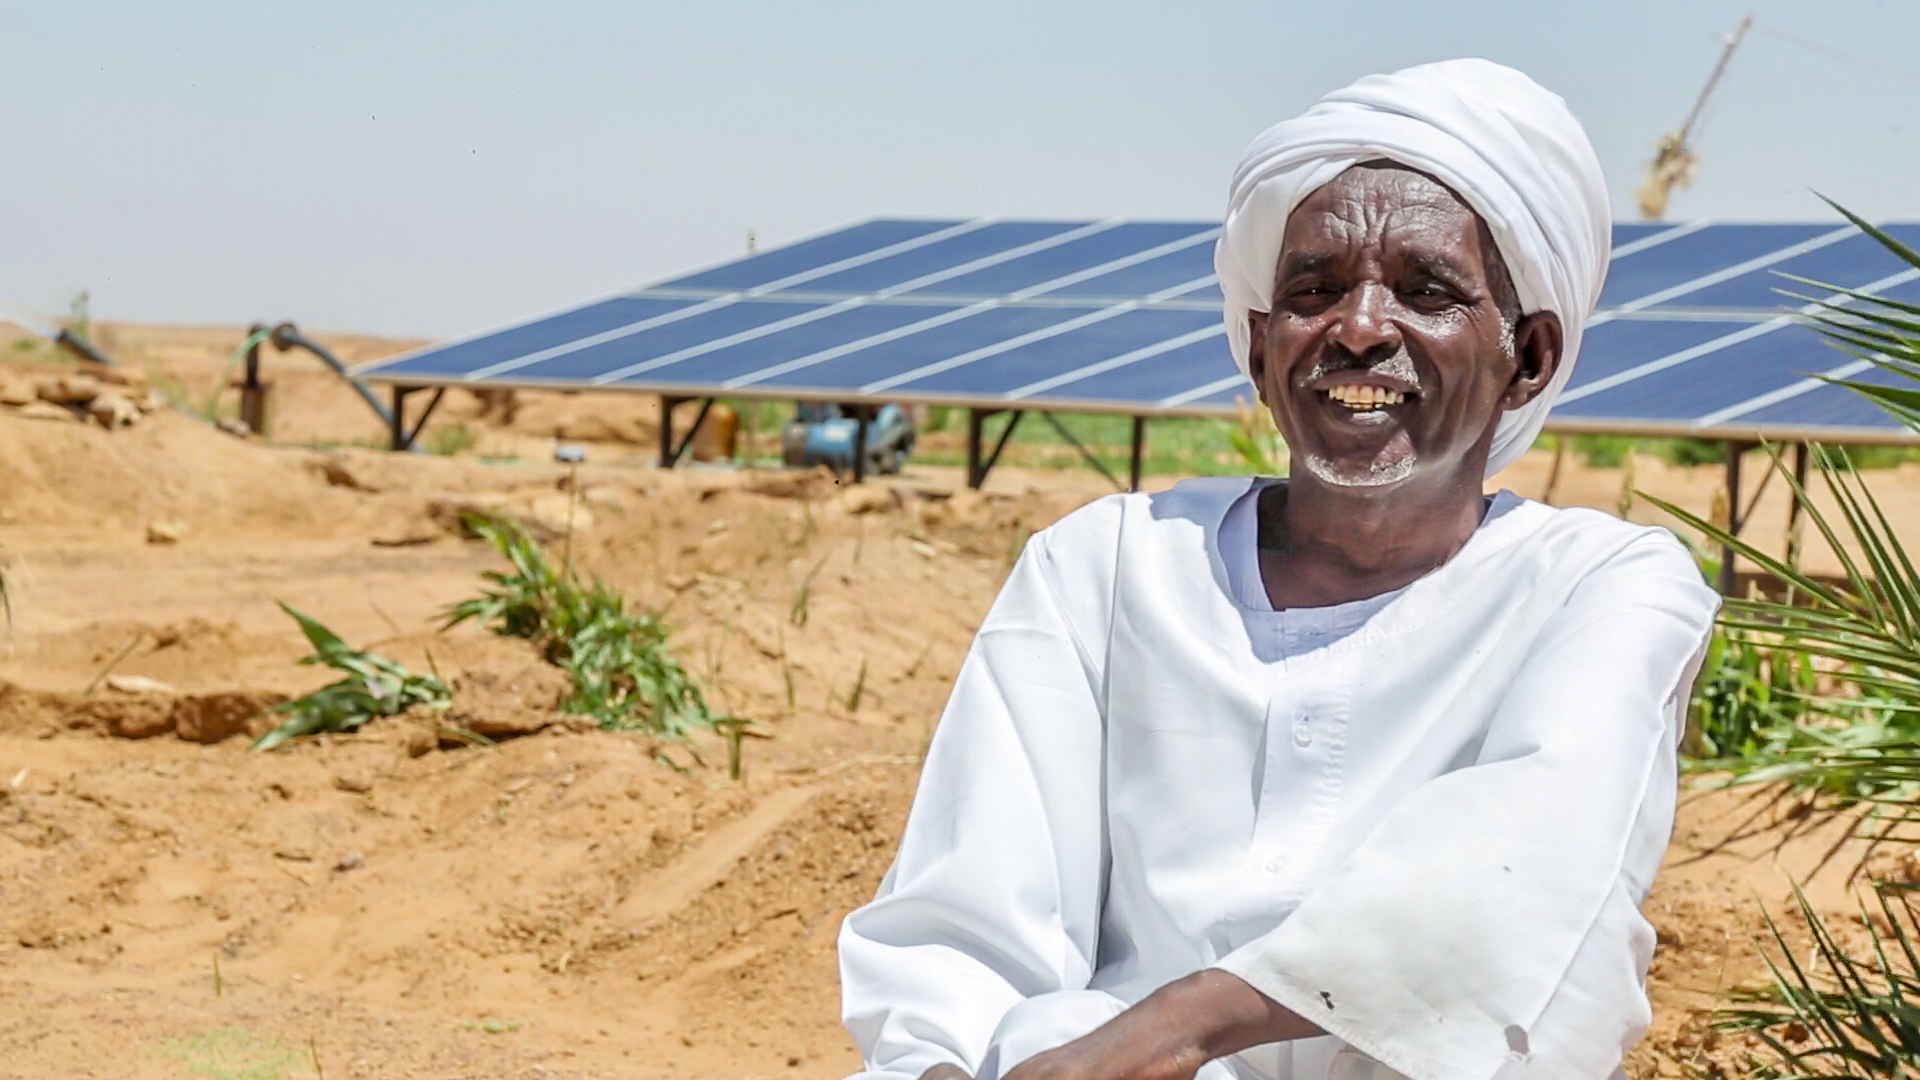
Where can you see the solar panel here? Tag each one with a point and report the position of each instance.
(1693, 335)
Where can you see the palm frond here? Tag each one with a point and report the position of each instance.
(1839, 1014)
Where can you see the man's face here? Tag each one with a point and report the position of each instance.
(1387, 356)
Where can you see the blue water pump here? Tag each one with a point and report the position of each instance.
(824, 434)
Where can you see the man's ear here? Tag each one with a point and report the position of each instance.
(1537, 343)
(1257, 352)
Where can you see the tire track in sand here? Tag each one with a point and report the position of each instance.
(677, 884)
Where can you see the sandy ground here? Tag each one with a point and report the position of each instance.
(562, 905)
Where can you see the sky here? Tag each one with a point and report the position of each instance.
(434, 168)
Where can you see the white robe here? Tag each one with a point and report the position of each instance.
(1429, 833)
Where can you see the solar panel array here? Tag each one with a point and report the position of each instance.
(1692, 337)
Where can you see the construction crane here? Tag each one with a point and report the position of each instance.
(1674, 162)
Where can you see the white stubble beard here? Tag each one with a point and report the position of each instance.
(1377, 473)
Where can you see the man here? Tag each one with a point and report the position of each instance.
(1352, 774)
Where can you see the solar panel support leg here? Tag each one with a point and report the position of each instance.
(1734, 522)
(400, 437)
(974, 419)
(1139, 445)
(1085, 453)
(670, 451)
(667, 453)
(977, 469)
(396, 420)
(862, 415)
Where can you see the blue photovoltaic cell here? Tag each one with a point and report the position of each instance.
(1851, 263)
(1828, 406)
(1008, 371)
(1906, 293)
(1073, 257)
(1632, 232)
(809, 254)
(1613, 347)
(990, 327)
(741, 358)
(938, 257)
(659, 341)
(1153, 381)
(1696, 255)
(1718, 379)
(1717, 348)
(513, 343)
(1230, 398)
(1153, 276)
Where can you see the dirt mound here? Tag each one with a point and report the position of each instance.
(169, 468)
(555, 888)
(198, 718)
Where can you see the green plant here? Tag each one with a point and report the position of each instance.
(1751, 694)
(859, 690)
(1862, 740)
(803, 594)
(1257, 441)
(494, 1027)
(233, 1054)
(1837, 1015)
(624, 673)
(1612, 451)
(450, 440)
(374, 687)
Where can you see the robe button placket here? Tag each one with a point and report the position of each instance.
(1303, 732)
(1274, 864)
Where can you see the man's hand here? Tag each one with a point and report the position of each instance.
(1168, 1036)
(945, 1072)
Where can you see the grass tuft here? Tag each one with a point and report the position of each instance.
(450, 440)
(232, 1054)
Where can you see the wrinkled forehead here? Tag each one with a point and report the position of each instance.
(1384, 206)
(1403, 217)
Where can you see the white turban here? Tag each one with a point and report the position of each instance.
(1501, 141)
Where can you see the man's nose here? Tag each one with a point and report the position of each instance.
(1362, 320)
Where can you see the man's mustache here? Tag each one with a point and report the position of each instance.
(1396, 365)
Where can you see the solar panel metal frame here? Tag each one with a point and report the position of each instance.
(1658, 306)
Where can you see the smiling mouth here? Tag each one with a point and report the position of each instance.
(1363, 398)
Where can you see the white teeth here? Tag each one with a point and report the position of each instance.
(1359, 398)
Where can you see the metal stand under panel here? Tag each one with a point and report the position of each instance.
(401, 437)
(670, 451)
(980, 462)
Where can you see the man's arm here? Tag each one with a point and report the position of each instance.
(1493, 915)
(1171, 1033)
(993, 901)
